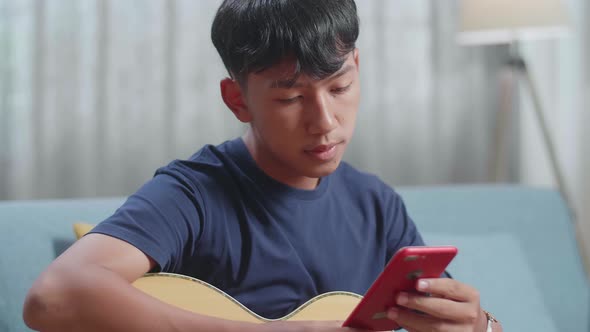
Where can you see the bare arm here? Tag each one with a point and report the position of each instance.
(88, 288)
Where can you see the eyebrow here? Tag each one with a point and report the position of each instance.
(292, 81)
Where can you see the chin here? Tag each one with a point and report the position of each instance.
(323, 170)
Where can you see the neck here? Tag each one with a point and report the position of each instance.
(275, 168)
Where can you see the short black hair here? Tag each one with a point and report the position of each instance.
(253, 35)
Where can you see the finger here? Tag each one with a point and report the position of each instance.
(448, 288)
(412, 321)
(439, 307)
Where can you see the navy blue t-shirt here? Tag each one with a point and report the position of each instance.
(219, 218)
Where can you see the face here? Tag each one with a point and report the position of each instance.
(298, 131)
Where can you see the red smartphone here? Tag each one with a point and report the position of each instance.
(401, 274)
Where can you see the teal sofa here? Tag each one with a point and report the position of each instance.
(516, 245)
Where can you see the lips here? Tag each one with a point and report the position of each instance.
(322, 148)
(322, 152)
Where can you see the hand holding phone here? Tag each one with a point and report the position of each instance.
(400, 274)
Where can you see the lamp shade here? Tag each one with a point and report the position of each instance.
(504, 21)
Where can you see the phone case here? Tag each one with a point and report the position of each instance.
(400, 274)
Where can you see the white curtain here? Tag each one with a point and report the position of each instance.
(96, 94)
(427, 103)
(561, 71)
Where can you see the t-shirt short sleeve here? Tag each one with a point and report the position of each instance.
(402, 231)
(164, 219)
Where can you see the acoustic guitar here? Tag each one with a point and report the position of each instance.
(182, 291)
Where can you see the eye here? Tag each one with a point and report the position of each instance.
(341, 89)
(288, 101)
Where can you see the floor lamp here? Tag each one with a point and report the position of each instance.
(487, 22)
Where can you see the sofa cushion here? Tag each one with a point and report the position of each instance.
(537, 220)
(478, 263)
(81, 228)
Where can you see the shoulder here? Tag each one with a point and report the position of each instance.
(208, 166)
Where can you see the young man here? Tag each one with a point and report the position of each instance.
(273, 218)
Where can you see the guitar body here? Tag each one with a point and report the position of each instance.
(200, 297)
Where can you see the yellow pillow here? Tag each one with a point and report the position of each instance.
(80, 229)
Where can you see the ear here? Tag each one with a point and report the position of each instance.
(355, 56)
(231, 92)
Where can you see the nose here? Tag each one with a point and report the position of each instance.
(321, 117)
